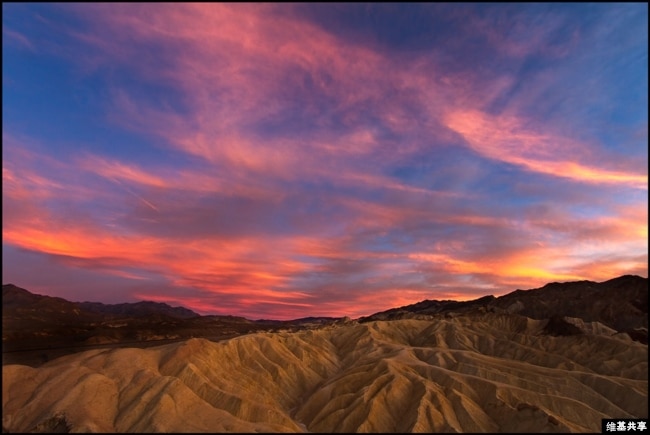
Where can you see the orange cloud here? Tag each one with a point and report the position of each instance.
(521, 265)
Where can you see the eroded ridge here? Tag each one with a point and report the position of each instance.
(483, 373)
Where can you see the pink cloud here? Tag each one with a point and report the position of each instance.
(238, 66)
(116, 170)
(507, 139)
(18, 38)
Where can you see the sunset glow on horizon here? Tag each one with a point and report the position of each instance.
(280, 161)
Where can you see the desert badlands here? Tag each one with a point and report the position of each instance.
(481, 371)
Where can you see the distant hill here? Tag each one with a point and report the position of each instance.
(16, 298)
(137, 309)
(55, 326)
(620, 303)
(427, 308)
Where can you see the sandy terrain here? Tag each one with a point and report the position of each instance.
(484, 373)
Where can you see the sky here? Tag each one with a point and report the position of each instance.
(287, 160)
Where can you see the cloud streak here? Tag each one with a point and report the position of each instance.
(506, 140)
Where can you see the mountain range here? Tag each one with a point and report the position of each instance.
(46, 323)
(620, 304)
(554, 359)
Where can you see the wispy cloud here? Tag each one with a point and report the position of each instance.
(17, 38)
(509, 141)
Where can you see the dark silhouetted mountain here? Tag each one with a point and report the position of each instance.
(138, 309)
(16, 300)
(620, 303)
(427, 308)
(14, 297)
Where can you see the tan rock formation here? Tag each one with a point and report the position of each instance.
(483, 373)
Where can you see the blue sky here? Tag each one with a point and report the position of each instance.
(285, 160)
